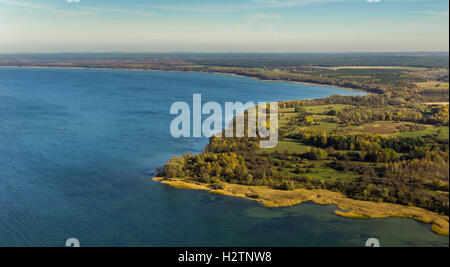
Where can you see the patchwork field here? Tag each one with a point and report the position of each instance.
(433, 85)
(374, 68)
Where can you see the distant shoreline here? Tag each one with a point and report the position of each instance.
(205, 71)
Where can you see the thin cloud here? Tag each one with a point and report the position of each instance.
(197, 9)
(71, 11)
(48, 8)
(119, 11)
(26, 4)
(292, 3)
(262, 16)
(438, 15)
(434, 14)
(249, 5)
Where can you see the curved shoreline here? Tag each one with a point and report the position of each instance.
(356, 209)
(193, 71)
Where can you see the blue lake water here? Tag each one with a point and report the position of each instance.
(76, 147)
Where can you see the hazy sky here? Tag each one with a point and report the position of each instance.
(223, 26)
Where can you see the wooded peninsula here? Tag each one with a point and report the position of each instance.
(384, 154)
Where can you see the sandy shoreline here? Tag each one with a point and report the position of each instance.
(356, 209)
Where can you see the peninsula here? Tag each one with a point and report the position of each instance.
(385, 154)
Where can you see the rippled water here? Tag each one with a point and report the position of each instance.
(76, 146)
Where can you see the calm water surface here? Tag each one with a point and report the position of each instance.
(76, 147)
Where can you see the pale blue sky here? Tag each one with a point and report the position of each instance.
(223, 26)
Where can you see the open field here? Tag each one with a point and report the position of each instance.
(441, 132)
(437, 103)
(388, 127)
(288, 145)
(321, 173)
(373, 68)
(324, 109)
(433, 85)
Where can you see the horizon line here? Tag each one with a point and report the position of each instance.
(234, 52)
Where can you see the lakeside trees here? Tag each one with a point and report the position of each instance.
(366, 166)
(386, 146)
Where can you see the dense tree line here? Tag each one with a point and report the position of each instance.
(376, 147)
(359, 116)
(415, 182)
